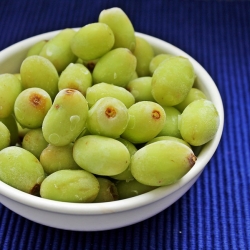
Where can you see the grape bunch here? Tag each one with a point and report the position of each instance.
(94, 115)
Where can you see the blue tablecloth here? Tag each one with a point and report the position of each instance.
(215, 212)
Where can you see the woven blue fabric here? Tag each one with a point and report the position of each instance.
(215, 212)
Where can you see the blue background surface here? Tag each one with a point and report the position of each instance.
(215, 212)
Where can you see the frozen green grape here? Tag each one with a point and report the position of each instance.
(172, 81)
(100, 90)
(55, 158)
(66, 118)
(37, 71)
(171, 125)
(101, 155)
(144, 54)
(108, 191)
(34, 142)
(4, 136)
(162, 163)
(75, 76)
(140, 88)
(76, 186)
(129, 189)
(58, 50)
(146, 121)
(121, 26)
(31, 106)
(115, 67)
(10, 88)
(193, 94)
(156, 60)
(11, 124)
(21, 169)
(92, 41)
(199, 122)
(36, 48)
(108, 117)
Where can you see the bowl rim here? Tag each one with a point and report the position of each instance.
(133, 202)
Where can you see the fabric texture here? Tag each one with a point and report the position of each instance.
(215, 212)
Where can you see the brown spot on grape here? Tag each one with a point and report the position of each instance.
(37, 100)
(192, 159)
(70, 91)
(110, 112)
(156, 114)
(57, 106)
(35, 190)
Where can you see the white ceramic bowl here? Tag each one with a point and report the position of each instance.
(110, 215)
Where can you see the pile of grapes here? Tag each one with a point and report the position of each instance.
(94, 115)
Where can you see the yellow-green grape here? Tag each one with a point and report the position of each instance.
(108, 117)
(126, 174)
(21, 169)
(172, 81)
(34, 142)
(108, 191)
(31, 106)
(10, 88)
(171, 125)
(193, 94)
(121, 26)
(55, 158)
(141, 88)
(66, 118)
(75, 76)
(101, 155)
(162, 163)
(129, 189)
(92, 41)
(146, 121)
(58, 50)
(36, 48)
(37, 71)
(144, 54)
(68, 185)
(199, 122)
(4, 136)
(100, 90)
(134, 76)
(171, 138)
(156, 60)
(11, 124)
(115, 67)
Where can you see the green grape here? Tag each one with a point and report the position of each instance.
(140, 88)
(75, 76)
(128, 189)
(100, 90)
(172, 81)
(34, 142)
(162, 163)
(68, 185)
(10, 88)
(144, 54)
(66, 118)
(4, 136)
(115, 67)
(199, 122)
(36, 48)
(156, 60)
(171, 125)
(21, 169)
(37, 71)
(55, 158)
(11, 124)
(146, 121)
(101, 155)
(171, 138)
(108, 117)
(193, 94)
(58, 50)
(92, 41)
(121, 26)
(108, 191)
(31, 106)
